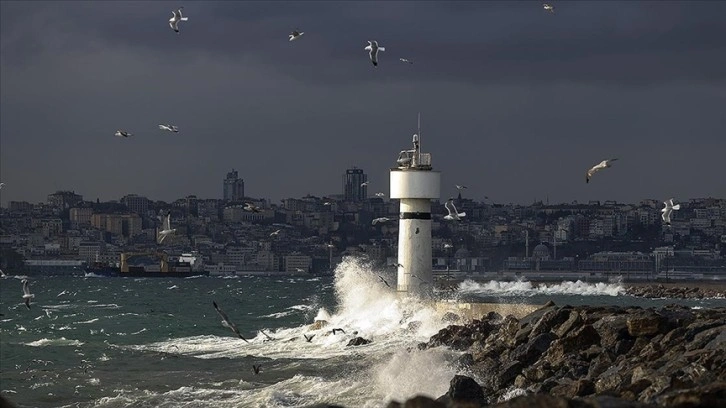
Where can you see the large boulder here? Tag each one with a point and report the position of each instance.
(464, 390)
(358, 341)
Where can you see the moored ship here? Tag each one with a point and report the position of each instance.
(150, 265)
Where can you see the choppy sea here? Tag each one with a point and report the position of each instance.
(120, 342)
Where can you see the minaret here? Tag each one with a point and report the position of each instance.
(415, 185)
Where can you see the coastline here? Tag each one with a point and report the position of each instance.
(563, 356)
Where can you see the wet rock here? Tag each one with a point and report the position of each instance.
(647, 325)
(707, 396)
(419, 401)
(507, 375)
(638, 355)
(450, 317)
(318, 324)
(573, 319)
(612, 329)
(358, 341)
(465, 360)
(464, 390)
(528, 353)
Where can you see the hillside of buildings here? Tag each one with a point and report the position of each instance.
(595, 240)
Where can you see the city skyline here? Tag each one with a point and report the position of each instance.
(516, 103)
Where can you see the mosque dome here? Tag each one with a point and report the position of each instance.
(541, 252)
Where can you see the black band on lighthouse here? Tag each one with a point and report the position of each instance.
(415, 216)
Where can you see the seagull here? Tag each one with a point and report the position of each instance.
(414, 276)
(447, 246)
(365, 183)
(275, 233)
(548, 8)
(602, 165)
(308, 338)
(406, 61)
(458, 187)
(227, 322)
(251, 207)
(2, 274)
(295, 35)
(373, 49)
(122, 133)
(26, 293)
(380, 195)
(669, 207)
(166, 229)
(327, 203)
(176, 18)
(397, 265)
(170, 128)
(256, 368)
(1, 185)
(381, 219)
(384, 281)
(453, 214)
(300, 269)
(338, 330)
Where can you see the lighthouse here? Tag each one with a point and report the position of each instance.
(415, 184)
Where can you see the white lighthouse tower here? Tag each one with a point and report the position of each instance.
(415, 184)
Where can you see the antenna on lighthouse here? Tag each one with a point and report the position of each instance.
(419, 125)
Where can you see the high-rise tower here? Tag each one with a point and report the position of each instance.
(415, 184)
(354, 188)
(233, 187)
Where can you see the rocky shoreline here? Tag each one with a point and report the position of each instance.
(675, 292)
(564, 356)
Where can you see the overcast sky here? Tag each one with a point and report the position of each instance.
(516, 103)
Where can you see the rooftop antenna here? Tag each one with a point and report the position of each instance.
(416, 144)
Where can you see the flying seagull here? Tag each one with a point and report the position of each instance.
(1, 185)
(273, 234)
(414, 276)
(548, 8)
(380, 219)
(256, 368)
(170, 128)
(380, 194)
(176, 18)
(338, 330)
(602, 165)
(365, 183)
(447, 246)
(397, 265)
(227, 322)
(373, 49)
(669, 207)
(251, 207)
(406, 60)
(458, 187)
(26, 293)
(295, 35)
(384, 281)
(308, 338)
(453, 214)
(166, 229)
(122, 133)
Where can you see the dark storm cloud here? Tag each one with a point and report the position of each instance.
(516, 102)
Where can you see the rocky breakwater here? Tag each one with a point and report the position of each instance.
(675, 292)
(670, 357)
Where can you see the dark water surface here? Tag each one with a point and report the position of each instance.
(115, 342)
